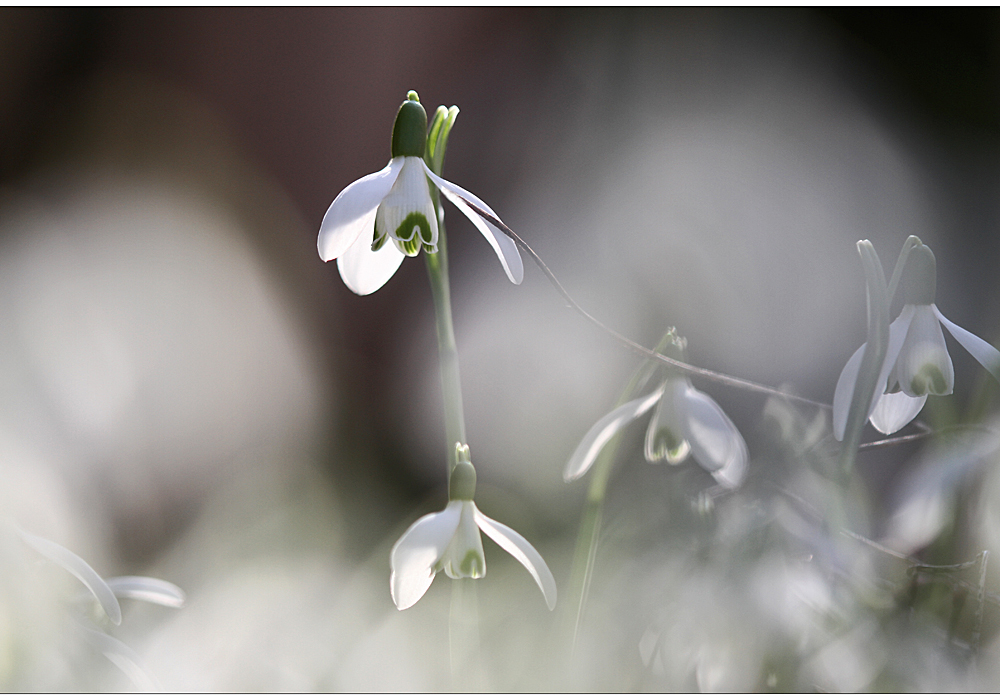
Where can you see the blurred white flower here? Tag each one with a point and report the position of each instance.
(450, 541)
(107, 592)
(395, 203)
(686, 421)
(916, 363)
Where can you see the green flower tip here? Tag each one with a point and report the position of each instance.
(409, 133)
(463, 476)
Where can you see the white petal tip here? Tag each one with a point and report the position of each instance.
(150, 590)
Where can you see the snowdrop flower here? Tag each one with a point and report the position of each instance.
(450, 541)
(395, 205)
(106, 592)
(917, 362)
(686, 421)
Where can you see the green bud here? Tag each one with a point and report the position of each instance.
(463, 477)
(409, 133)
(920, 276)
(437, 137)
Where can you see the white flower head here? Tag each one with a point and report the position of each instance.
(395, 204)
(450, 541)
(917, 362)
(686, 421)
(106, 592)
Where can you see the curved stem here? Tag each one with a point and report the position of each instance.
(628, 342)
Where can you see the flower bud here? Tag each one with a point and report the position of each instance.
(409, 133)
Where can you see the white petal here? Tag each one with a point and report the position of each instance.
(353, 211)
(521, 549)
(894, 411)
(417, 551)
(597, 437)
(923, 360)
(898, 331)
(715, 442)
(502, 244)
(844, 392)
(122, 656)
(365, 272)
(987, 355)
(79, 568)
(151, 590)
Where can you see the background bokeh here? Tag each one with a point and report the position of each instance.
(190, 393)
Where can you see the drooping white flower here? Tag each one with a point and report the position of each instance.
(107, 592)
(917, 362)
(686, 421)
(450, 541)
(395, 204)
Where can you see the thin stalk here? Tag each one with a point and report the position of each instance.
(463, 637)
(635, 347)
(463, 618)
(451, 385)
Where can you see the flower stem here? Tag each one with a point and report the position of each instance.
(463, 632)
(585, 553)
(719, 377)
(463, 638)
(451, 385)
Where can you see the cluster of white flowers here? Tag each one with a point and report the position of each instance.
(396, 204)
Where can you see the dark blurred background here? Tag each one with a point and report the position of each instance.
(163, 174)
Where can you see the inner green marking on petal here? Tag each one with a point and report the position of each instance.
(414, 229)
(410, 247)
(472, 565)
(929, 380)
(379, 242)
(667, 445)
